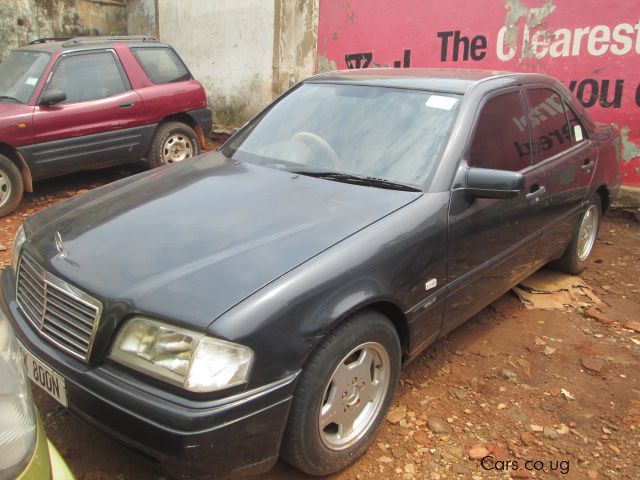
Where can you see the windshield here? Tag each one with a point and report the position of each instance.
(20, 73)
(392, 134)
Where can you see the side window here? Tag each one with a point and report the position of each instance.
(501, 139)
(87, 76)
(578, 132)
(161, 64)
(549, 122)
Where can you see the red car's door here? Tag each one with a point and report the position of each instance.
(101, 122)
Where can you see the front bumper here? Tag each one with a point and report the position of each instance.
(239, 434)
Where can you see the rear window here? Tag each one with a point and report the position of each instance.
(161, 64)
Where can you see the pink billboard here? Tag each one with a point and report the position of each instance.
(591, 46)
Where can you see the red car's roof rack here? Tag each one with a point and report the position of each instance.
(49, 39)
(106, 39)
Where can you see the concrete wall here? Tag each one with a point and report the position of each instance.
(245, 52)
(593, 47)
(24, 20)
(142, 17)
(296, 34)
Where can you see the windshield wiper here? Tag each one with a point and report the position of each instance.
(358, 180)
(7, 97)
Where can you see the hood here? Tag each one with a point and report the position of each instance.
(190, 241)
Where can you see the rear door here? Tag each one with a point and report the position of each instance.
(492, 242)
(100, 123)
(568, 157)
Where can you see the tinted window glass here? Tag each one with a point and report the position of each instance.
(89, 76)
(161, 65)
(578, 132)
(501, 139)
(550, 128)
(388, 133)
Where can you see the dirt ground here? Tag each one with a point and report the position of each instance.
(555, 391)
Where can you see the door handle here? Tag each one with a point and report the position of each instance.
(535, 194)
(586, 167)
(126, 105)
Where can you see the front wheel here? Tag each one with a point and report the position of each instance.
(173, 142)
(575, 258)
(11, 186)
(343, 395)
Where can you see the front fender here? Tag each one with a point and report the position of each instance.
(385, 264)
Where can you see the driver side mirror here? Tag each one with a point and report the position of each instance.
(51, 97)
(489, 183)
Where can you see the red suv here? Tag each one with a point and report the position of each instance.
(70, 104)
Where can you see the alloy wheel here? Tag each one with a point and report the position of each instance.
(354, 396)
(588, 232)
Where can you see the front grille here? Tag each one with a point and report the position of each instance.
(61, 313)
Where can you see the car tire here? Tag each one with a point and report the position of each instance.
(576, 256)
(360, 360)
(11, 186)
(172, 143)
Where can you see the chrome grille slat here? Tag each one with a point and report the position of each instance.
(64, 339)
(51, 325)
(31, 292)
(34, 278)
(37, 310)
(51, 293)
(30, 276)
(51, 312)
(33, 268)
(32, 311)
(63, 314)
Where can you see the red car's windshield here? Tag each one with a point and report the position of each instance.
(20, 73)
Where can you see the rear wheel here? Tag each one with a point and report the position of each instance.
(343, 395)
(576, 257)
(173, 142)
(11, 186)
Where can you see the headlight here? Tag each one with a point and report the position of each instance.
(18, 241)
(188, 359)
(17, 416)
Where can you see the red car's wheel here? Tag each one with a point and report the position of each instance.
(172, 143)
(11, 186)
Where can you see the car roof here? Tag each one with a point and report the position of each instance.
(52, 45)
(452, 80)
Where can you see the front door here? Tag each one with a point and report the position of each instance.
(492, 242)
(100, 123)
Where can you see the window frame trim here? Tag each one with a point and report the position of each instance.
(574, 147)
(586, 132)
(158, 47)
(476, 119)
(63, 56)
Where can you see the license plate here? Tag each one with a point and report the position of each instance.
(50, 381)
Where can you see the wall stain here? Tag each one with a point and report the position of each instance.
(533, 18)
(630, 149)
(22, 21)
(295, 42)
(325, 65)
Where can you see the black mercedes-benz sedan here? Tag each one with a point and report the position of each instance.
(259, 301)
